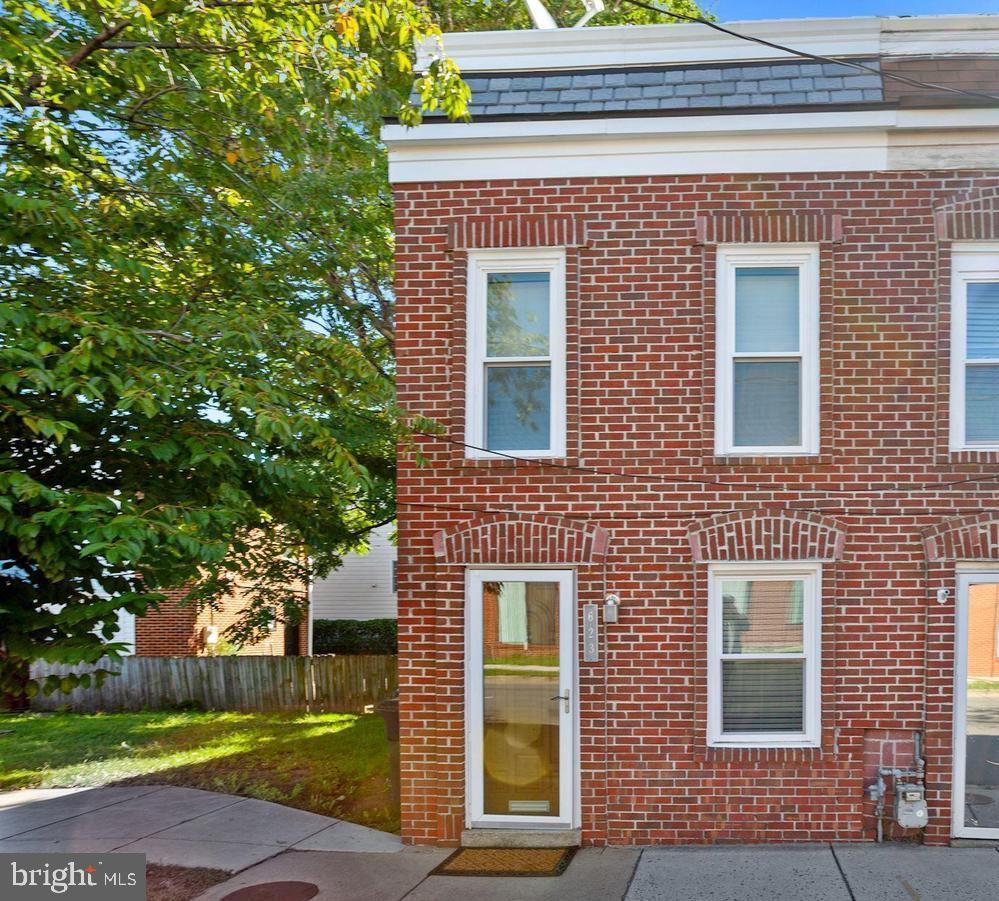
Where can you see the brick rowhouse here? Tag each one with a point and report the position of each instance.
(179, 629)
(641, 503)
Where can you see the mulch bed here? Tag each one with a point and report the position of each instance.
(170, 883)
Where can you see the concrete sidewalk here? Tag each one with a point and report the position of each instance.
(173, 825)
(786, 873)
(263, 842)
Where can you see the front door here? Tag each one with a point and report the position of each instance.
(521, 694)
(976, 707)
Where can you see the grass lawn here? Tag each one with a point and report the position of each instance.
(330, 763)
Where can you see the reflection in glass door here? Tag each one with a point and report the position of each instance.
(520, 697)
(976, 751)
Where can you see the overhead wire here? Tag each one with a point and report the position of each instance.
(815, 57)
(683, 480)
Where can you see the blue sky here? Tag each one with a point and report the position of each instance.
(734, 10)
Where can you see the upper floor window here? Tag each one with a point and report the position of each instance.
(515, 386)
(974, 413)
(767, 388)
(764, 628)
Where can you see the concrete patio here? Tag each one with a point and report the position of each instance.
(172, 825)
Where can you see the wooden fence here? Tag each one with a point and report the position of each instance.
(342, 683)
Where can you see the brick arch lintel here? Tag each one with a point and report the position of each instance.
(971, 217)
(974, 536)
(501, 539)
(765, 535)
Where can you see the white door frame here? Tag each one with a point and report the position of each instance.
(965, 579)
(568, 720)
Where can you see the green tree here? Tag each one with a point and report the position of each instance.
(195, 324)
(504, 15)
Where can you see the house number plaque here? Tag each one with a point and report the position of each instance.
(591, 635)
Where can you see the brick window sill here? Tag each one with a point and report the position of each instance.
(735, 461)
(505, 463)
(990, 455)
(762, 756)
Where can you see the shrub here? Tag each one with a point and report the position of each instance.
(352, 636)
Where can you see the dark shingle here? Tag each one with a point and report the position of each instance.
(776, 84)
(644, 103)
(642, 79)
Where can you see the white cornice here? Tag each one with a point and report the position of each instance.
(638, 45)
(779, 142)
(940, 35)
(484, 135)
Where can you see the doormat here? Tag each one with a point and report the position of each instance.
(506, 862)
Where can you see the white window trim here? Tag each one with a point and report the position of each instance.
(970, 262)
(569, 735)
(480, 264)
(806, 258)
(967, 575)
(811, 574)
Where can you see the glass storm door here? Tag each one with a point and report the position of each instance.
(521, 698)
(976, 707)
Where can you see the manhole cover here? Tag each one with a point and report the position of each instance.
(275, 891)
(980, 800)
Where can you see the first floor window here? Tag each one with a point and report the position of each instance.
(516, 353)
(767, 390)
(975, 347)
(764, 626)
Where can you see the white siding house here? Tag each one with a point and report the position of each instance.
(126, 630)
(364, 587)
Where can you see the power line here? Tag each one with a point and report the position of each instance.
(659, 480)
(804, 54)
(682, 480)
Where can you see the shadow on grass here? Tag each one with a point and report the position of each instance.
(331, 764)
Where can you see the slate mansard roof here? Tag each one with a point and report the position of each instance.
(673, 88)
(644, 71)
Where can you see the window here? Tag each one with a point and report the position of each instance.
(764, 626)
(767, 391)
(974, 411)
(516, 353)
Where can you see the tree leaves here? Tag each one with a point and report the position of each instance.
(196, 318)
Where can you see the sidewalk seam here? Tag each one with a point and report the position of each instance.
(842, 872)
(634, 870)
(410, 891)
(152, 791)
(182, 822)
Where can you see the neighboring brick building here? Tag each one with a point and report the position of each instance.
(178, 629)
(983, 632)
(713, 331)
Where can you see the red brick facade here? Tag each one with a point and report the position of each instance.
(177, 629)
(640, 424)
(983, 633)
